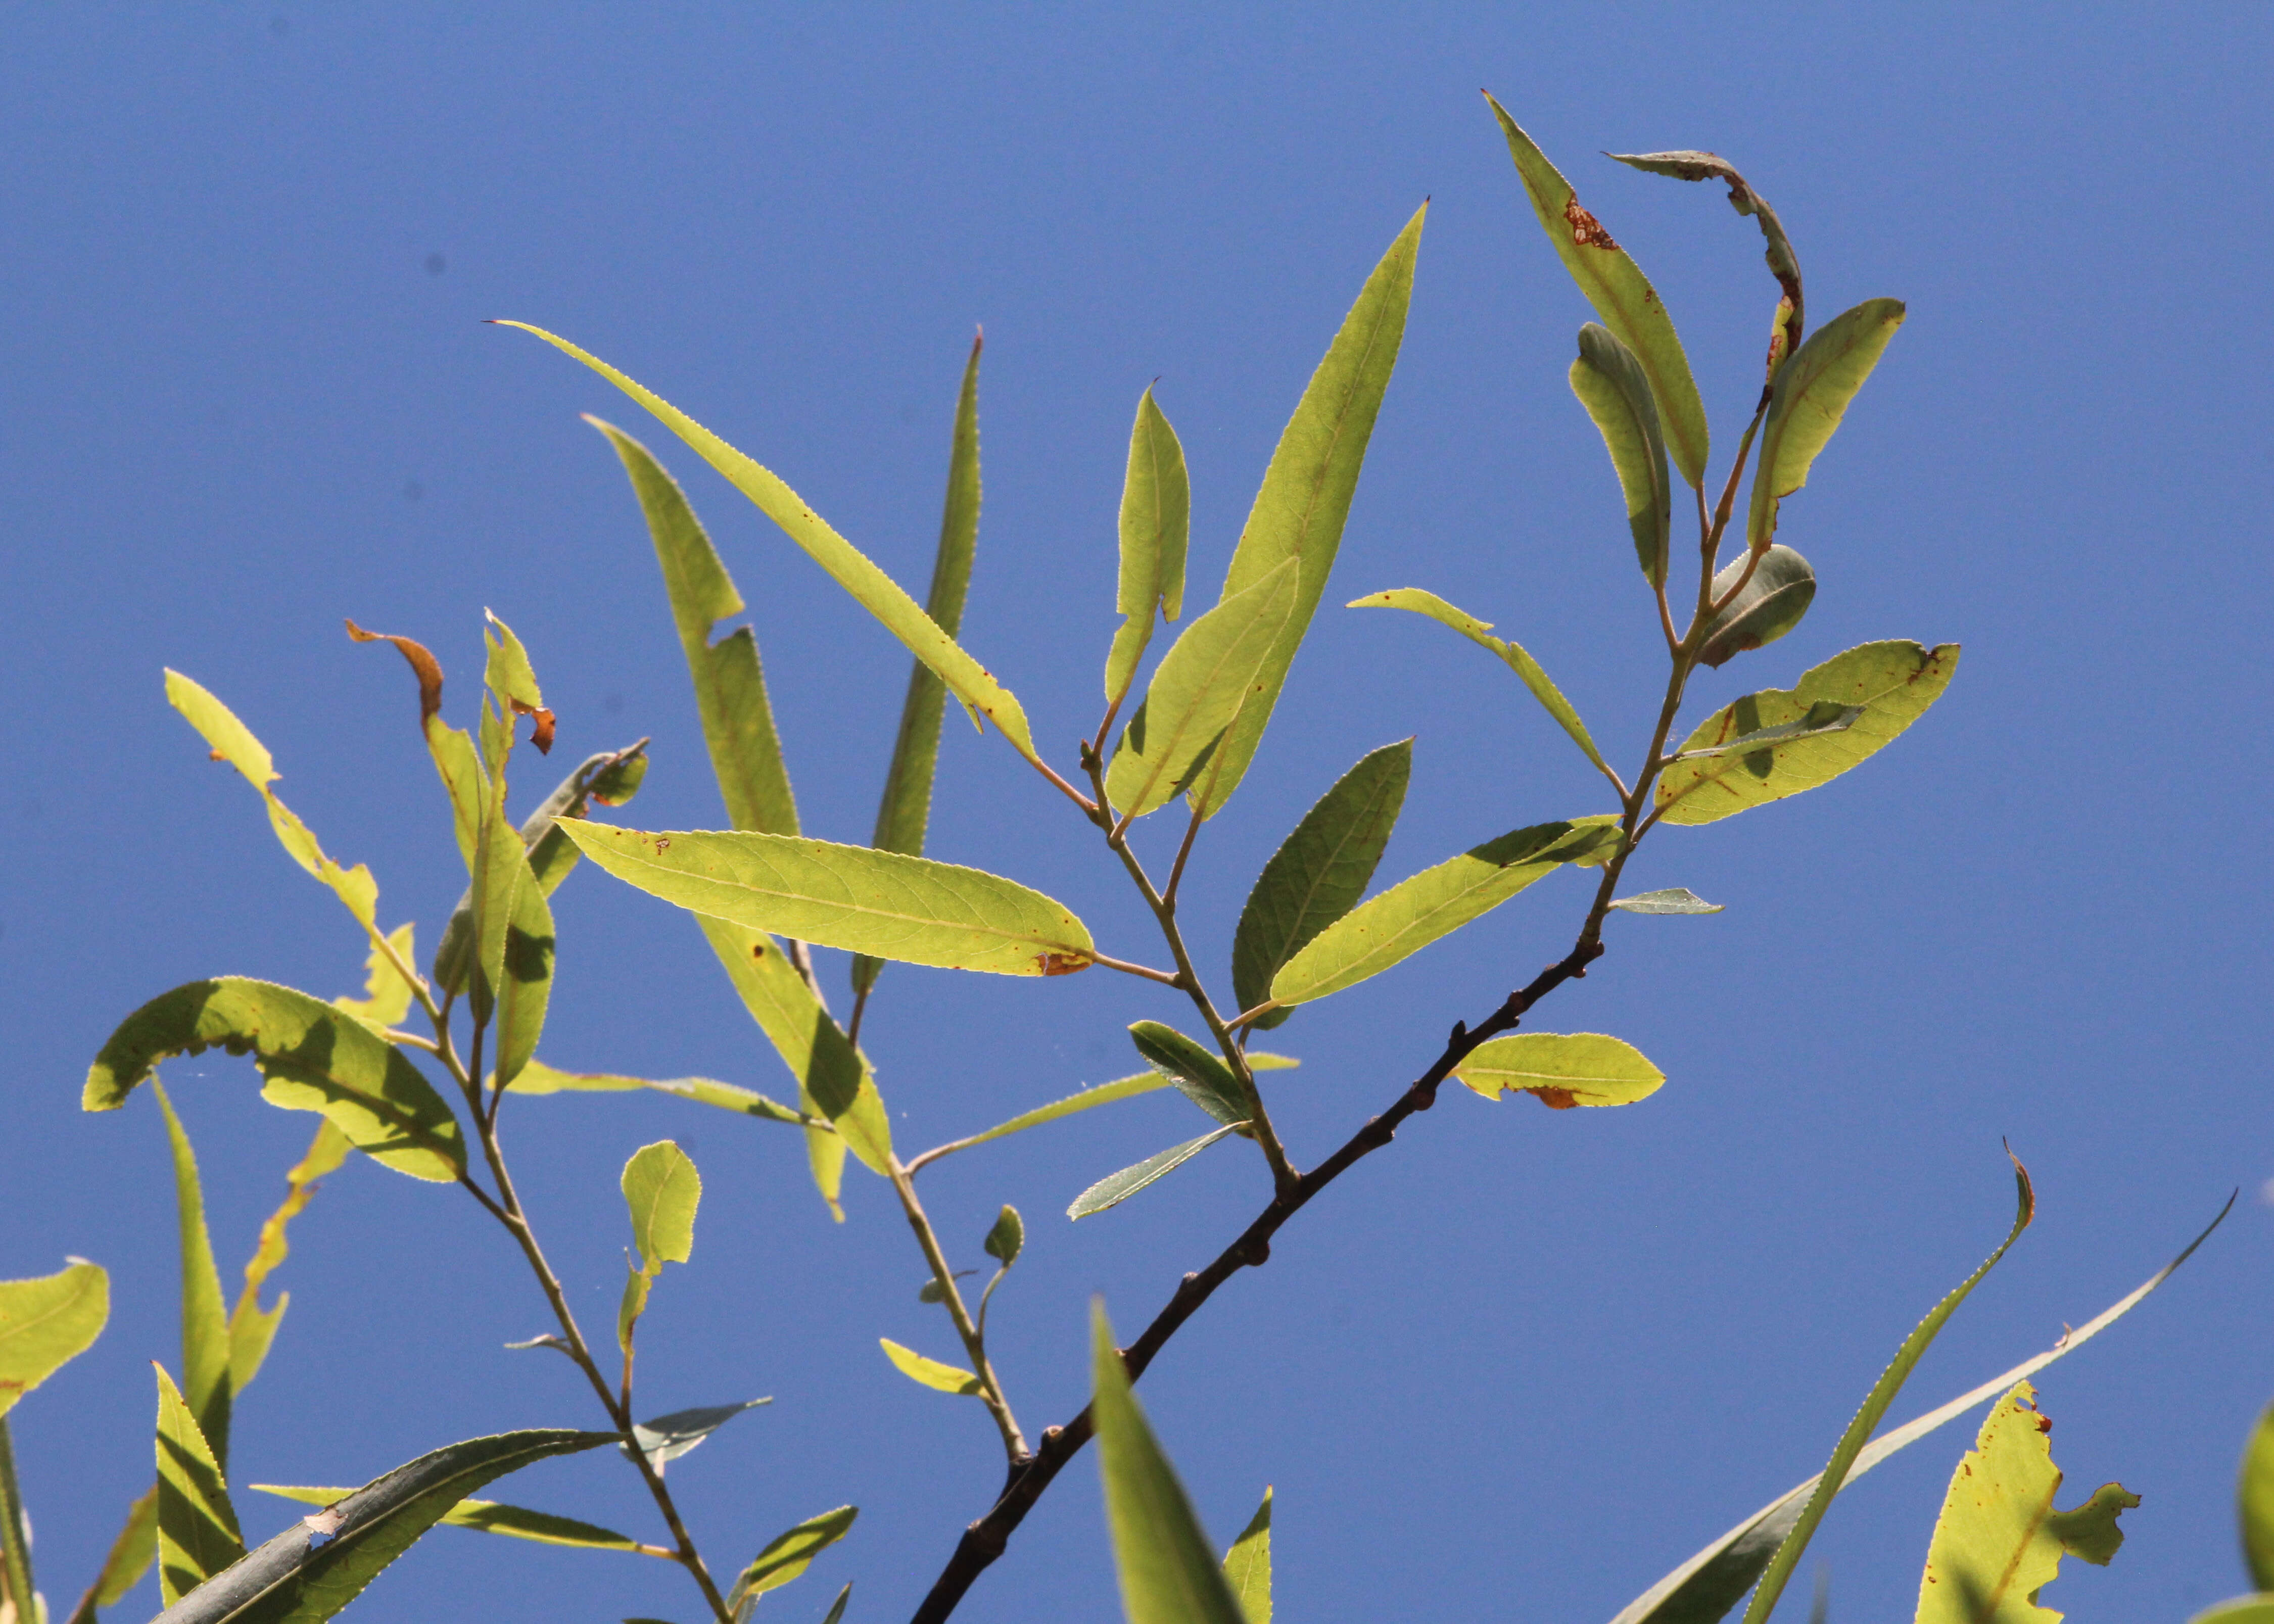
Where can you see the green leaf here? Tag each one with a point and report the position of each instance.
(1875, 1408)
(871, 587)
(387, 995)
(1709, 1585)
(906, 809)
(46, 1322)
(1319, 872)
(1893, 682)
(1247, 1565)
(1116, 1188)
(1168, 1565)
(453, 752)
(2241, 1610)
(932, 1292)
(512, 682)
(539, 1078)
(661, 1190)
(788, 1555)
(1620, 293)
(205, 1340)
(2254, 1501)
(16, 1577)
(1526, 668)
(322, 1562)
(1007, 1238)
(1775, 597)
(197, 1534)
(313, 1057)
(1561, 1070)
(1157, 509)
(132, 1552)
(1999, 1539)
(252, 1327)
(1104, 1093)
(1214, 668)
(1612, 385)
(928, 1372)
(1306, 496)
(1809, 397)
(665, 1437)
(1433, 903)
(836, 1608)
(1678, 899)
(1193, 1070)
(1783, 264)
(907, 908)
(489, 1517)
(526, 988)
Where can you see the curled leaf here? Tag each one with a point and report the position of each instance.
(1774, 597)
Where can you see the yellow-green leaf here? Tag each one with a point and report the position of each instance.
(1809, 398)
(490, 1517)
(205, 1340)
(1611, 384)
(387, 995)
(1115, 1188)
(2254, 1500)
(252, 1327)
(1247, 1565)
(788, 1555)
(132, 1552)
(1157, 506)
(46, 1322)
(1089, 1099)
(928, 1372)
(197, 1527)
(1561, 1070)
(662, 1190)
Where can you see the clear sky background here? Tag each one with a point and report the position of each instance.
(1520, 1363)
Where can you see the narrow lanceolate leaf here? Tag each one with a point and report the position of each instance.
(323, 1561)
(1999, 1539)
(1875, 1408)
(1157, 509)
(511, 681)
(1434, 903)
(1248, 1566)
(1193, 1070)
(1611, 384)
(538, 1078)
(1168, 1565)
(2255, 1499)
(666, 1438)
(1208, 674)
(1526, 668)
(905, 812)
(132, 1552)
(1116, 1188)
(879, 903)
(197, 1527)
(928, 1372)
(252, 1327)
(387, 995)
(16, 1575)
(788, 1554)
(46, 1322)
(871, 587)
(205, 1385)
(1089, 1099)
(1775, 596)
(489, 1517)
(524, 987)
(1677, 899)
(1306, 496)
(456, 762)
(1561, 1070)
(313, 1057)
(2241, 1610)
(1784, 265)
(1620, 293)
(1892, 683)
(1319, 872)
(1809, 397)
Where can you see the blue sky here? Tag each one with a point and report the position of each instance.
(1518, 1364)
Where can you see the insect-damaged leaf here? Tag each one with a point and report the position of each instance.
(666, 1438)
(1156, 507)
(788, 1555)
(1193, 1070)
(197, 1534)
(252, 1327)
(1208, 673)
(871, 587)
(323, 1561)
(1784, 265)
(1319, 872)
(1999, 1539)
(928, 1372)
(1116, 1188)
(489, 1516)
(387, 995)
(1167, 1562)
(1891, 683)
(313, 1057)
(1677, 899)
(205, 1340)
(881, 903)
(1610, 384)
(905, 808)
(1775, 596)
(46, 1322)
(1561, 1070)
(1620, 293)
(1247, 1565)
(1809, 398)
(1433, 903)
(1306, 496)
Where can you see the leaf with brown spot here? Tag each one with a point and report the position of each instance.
(1784, 265)
(424, 665)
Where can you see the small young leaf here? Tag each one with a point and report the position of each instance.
(1999, 1539)
(1611, 384)
(836, 1608)
(1678, 899)
(313, 1059)
(928, 1372)
(197, 1535)
(1195, 1072)
(1893, 682)
(46, 1322)
(2255, 1499)
(1561, 1070)
(1433, 903)
(1116, 1188)
(1008, 1237)
(665, 1437)
(1203, 680)
(1319, 872)
(1809, 398)
(661, 1192)
(1157, 505)
(488, 1516)
(907, 908)
(1247, 1565)
(931, 1291)
(788, 1555)
(1779, 593)
(1168, 1565)
(252, 1327)
(206, 1341)
(1305, 500)
(1620, 293)
(1089, 1099)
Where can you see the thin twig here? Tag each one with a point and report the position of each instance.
(1164, 977)
(1177, 871)
(991, 1386)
